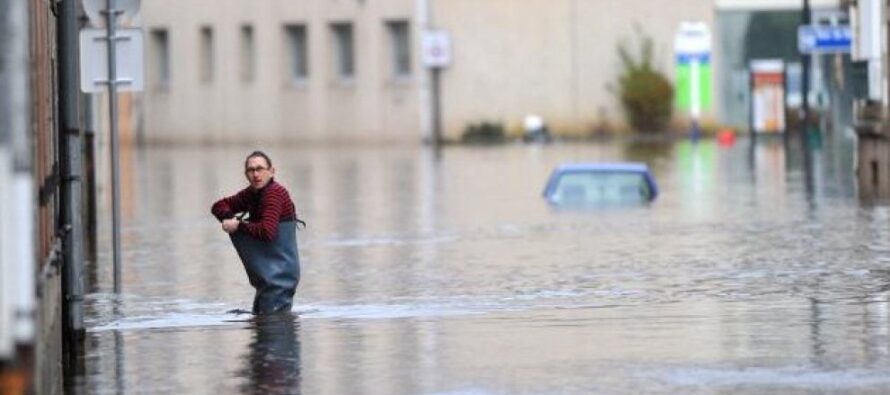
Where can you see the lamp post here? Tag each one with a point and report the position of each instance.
(805, 75)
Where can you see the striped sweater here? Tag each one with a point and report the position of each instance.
(267, 207)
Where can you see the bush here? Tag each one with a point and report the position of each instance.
(483, 132)
(646, 94)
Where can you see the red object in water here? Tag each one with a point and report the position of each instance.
(726, 137)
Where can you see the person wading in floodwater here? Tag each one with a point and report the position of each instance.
(262, 222)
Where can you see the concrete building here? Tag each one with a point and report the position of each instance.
(351, 70)
(280, 71)
(872, 107)
(38, 203)
(748, 30)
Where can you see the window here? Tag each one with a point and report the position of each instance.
(297, 50)
(400, 48)
(601, 187)
(343, 50)
(248, 54)
(206, 62)
(160, 45)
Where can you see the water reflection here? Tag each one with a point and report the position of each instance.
(648, 151)
(272, 361)
(447, 272)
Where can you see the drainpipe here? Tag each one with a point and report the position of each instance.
(422, 8)
(71, 168)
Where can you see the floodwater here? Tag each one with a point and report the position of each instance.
(756, 271)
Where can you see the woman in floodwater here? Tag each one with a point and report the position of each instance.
(262, 222)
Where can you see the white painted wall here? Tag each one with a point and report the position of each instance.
(554, 58)
(373, 107)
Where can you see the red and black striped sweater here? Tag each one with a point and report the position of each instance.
(267, 207)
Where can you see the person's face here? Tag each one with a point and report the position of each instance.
(258, 172)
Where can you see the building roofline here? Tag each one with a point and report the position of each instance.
(766, 5)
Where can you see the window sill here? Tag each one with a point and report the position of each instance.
(343, 83)
(400, 81)
(163, 88)
(297, 85)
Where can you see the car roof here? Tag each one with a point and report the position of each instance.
(605, 166)
(623, 167)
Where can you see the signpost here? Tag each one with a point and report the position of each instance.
(819, 39)
(94, 71)
(436, 55)
(436, 48)
(95, 10)
(692, 47)
(814, 39)
(122, 57)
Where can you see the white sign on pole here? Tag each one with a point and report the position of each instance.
(693, 38)
(817, 39)
(95, 10)
(436, 48)
(692, 47)
(94, 60)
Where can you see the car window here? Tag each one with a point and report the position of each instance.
(601, 188)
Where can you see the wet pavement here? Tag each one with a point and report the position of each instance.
(756, 271)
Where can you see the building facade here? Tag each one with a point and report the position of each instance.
(351, 70)
(279, 71)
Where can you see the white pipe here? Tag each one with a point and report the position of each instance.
(869, 44)
(882, 47)
(695, 86)
(16, 233)
(422, 8)
(6, 283)
(22, 216)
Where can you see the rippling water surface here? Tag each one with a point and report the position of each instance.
(445, 273)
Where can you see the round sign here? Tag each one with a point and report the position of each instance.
(95, 10)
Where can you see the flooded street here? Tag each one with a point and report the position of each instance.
(447, 273)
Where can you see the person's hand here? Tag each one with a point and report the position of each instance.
(230, 225)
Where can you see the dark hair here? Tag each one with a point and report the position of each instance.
(258, 154)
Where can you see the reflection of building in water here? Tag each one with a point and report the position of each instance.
(351, 70)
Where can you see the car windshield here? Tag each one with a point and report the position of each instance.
(601, 187)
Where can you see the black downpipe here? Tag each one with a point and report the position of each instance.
(70, 148)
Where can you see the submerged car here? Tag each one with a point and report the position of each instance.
(600, 184)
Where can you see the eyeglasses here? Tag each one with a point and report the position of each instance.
(255, 169)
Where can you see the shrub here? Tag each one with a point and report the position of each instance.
(483, 132)
(646, 94)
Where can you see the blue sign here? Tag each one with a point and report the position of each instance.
(815, 39)
(687, 58)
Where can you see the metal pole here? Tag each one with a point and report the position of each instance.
(885, 26)
(437, 105)
(695, 97)
(427, 87)
(805, 75)
(110, 21)
(69, 92)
